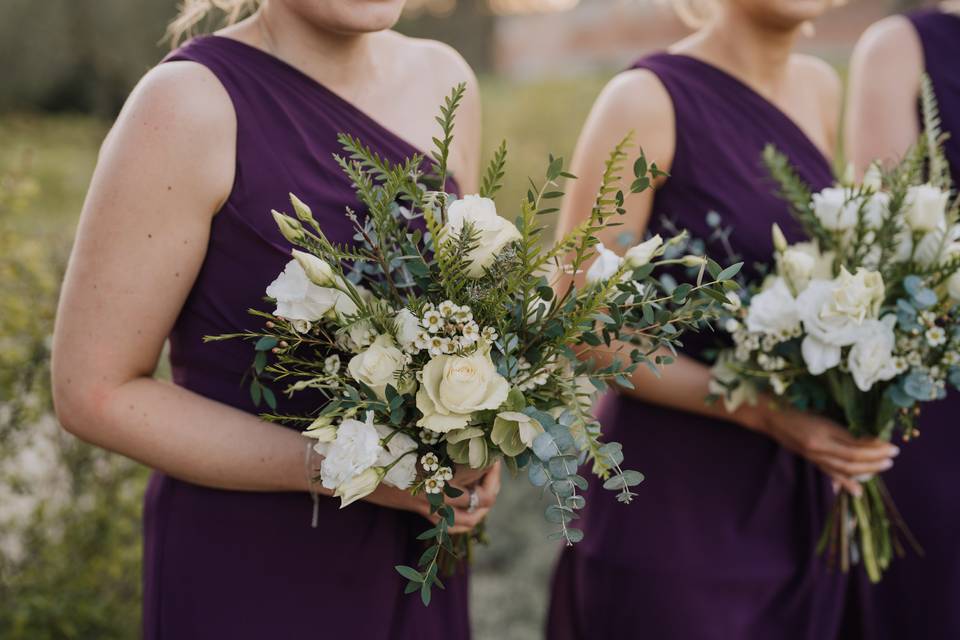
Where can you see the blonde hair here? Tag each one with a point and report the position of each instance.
(193, 13)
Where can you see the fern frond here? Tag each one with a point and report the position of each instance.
(495, 172)
(446, 120)
(933, 136)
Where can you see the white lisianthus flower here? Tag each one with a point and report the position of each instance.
(495, 232)
(359, 486)
(354, 450)
(318, 271)
(818, 355)
(857, 296)
(643, 253)
(876, 209)
(456, 386)
(723, 375)
(773, 311)
(871, 357)
(407, 327)
(953, 287)
(604, 266)
(321, 430)
(779, 240)
(733, 302)
(926, 207)
(379, 365)
(834, 209)
(514, 432)
(873, 178)
(797, 266)
(398, 447)
(298, 298)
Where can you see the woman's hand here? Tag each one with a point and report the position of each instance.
(828, 445)
(464, 520)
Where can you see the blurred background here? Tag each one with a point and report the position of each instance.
(70, 514)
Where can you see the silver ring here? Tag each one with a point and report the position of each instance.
(474, 501)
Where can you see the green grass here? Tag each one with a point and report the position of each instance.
(510, 576)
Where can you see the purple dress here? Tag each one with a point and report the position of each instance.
(720, 542)
(919, 597)
(246, 565)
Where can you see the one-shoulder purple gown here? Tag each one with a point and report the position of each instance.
(246, 565)
(720, 542)
(919, 597)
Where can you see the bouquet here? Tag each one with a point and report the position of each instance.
(438, 338)
(860, 323)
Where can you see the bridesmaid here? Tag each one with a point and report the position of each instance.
(918, 596)
(720, 541)
(176, 240)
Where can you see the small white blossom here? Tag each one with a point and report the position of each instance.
(426, 435)
(433, 484)
(430, 462)
(463, 314)
(438, 345)
(331, 365)
(900, 365)
(445, 474)
(951, 358)
(489, 334)
(936, 336)
(422, 341)
(470, 332)
(447, 308)
(779, 385)
(914, 359)
(432, 321)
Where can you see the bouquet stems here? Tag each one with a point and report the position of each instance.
(866, 528)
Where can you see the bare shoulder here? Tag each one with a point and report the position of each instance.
(635, 95)
(446, 67)
(811, 71)
(178, 122)
(887, 40)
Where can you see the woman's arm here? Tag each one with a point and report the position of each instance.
(637, 101)
(885, 70)
(164, 170)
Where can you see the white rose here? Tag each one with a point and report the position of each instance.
(797, 267)
(871, 357)
(926, 207)
(857, 296)
(355, 450)
(774, 311)
(379, 365)
(494, 232)
(834, 209)
(318, 271)
(456, 386)
(407, 327)
(402, 474)
(604, 266)
(298, 298)
(643, 253)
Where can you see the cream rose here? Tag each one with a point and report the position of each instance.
(494, 232)
(379, 365)
(926, 207)
(456, 386)
(856, 296)
(643, 253)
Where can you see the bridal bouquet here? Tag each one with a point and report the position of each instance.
(860, 323)
(439, 339)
